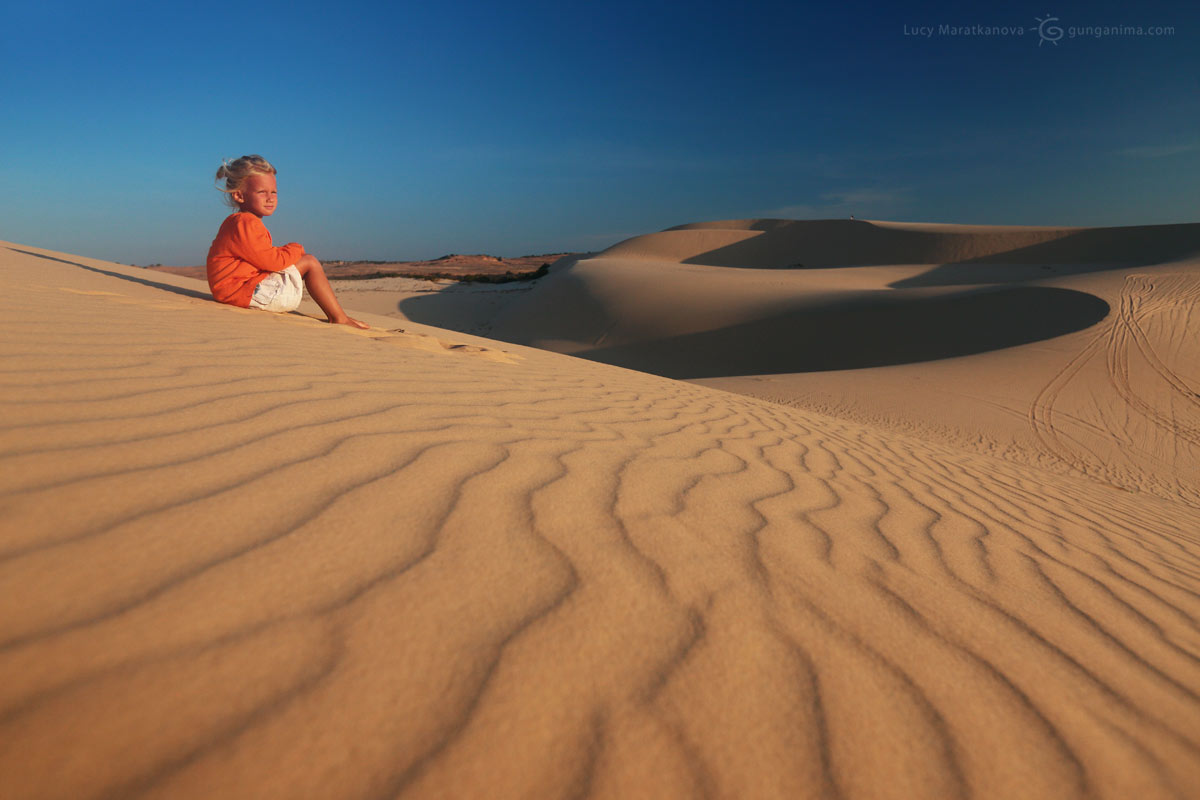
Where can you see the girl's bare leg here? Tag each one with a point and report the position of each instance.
(320, 290)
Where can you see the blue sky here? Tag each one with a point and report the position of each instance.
(412, 130)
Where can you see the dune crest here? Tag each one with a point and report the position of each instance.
(256, 555)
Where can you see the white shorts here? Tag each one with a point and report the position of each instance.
(280, 291)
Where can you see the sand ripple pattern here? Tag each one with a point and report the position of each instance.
(250, 556)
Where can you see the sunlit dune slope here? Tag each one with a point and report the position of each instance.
(249, 555)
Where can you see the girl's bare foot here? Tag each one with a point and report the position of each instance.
(351, 321)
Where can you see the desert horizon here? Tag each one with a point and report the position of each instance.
(740, 508)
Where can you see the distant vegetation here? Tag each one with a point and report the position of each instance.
(452, 267)
(478, 277)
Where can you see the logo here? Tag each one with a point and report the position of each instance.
(1048, 32)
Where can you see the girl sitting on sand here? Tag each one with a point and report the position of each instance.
(244, 269)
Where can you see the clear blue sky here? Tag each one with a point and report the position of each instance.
(406, 130)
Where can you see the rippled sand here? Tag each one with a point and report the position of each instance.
(248, 555)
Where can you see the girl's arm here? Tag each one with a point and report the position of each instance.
(251, 242)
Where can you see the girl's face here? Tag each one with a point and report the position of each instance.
(258, 195)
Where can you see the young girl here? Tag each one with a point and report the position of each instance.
(244, 269)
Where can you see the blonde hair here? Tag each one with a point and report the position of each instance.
(237, 171)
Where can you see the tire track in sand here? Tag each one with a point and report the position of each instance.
(1125, 344)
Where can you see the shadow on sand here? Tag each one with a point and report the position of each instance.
(166, 287)
(865, 333)
(977, 273)
(1089, 250)
(799, 244)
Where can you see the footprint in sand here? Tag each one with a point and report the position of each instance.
(421, 341)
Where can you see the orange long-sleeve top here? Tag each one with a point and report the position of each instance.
(242, 256)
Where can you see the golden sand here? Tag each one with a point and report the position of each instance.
(249, 555)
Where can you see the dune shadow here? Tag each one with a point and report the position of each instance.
(464, 307)
(144, 281)
(865, 333)
(800, 244)
(796, 244)
(1088, 250)
(976, 273)
(447, 309)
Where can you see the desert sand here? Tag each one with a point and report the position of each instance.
(1075, 349)
(952, 549)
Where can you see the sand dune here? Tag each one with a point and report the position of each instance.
(774, 243)
(1066, 348)
(248, 555)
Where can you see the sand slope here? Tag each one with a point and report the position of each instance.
(1068, 348)
(247, 555)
